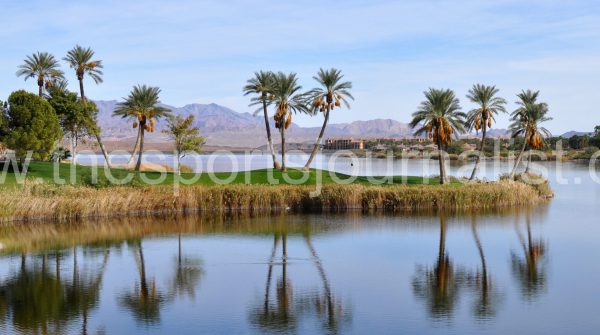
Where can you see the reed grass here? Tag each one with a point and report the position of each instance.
(66, 203)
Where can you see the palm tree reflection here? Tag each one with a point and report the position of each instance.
(145, 300)
(41, 300)
(481, 282)
(439, 286)
(278, 316)
(530, 270)
(283, 314)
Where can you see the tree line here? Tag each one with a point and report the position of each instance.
(35, 123)
(440, 117)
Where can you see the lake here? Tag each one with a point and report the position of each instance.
(526, 270)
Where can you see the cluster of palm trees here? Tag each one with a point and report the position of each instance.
(440, 117)
(141, 105)
(282, 92)
(45, 68)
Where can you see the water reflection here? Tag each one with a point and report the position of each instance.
(187, 274)
(145, 300)
(439, 284)
(282, 313)
(530, 268)
(486, 303)
(41, 299)
(159, 271)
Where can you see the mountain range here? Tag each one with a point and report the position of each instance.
(222, 126)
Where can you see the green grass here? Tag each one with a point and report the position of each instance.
(43, 172)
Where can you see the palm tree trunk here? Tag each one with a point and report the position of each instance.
(318, 143)
(73, 148)
(282, 131)
(481, 151)
(41, 89)
(139, 162)
(96, 131)
(441, 162)
(135, 147)
(269, 139)
(512, 174)
(528, 161)
(99, 140)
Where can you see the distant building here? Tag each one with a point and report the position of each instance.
(344, 144)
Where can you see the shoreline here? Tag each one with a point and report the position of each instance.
(47, 203)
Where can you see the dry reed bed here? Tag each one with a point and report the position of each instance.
(36, 202)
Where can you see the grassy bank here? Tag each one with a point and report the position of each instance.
(42, 201)
(44, 172)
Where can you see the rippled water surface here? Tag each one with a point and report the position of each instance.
(526, 271)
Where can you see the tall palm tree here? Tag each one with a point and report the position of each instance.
(81, 60)
(526, 121)
(42, 66)
(440, 118)
(287, 100)
(142, 104)
(261, 85)
(482, 117)
(331, 94)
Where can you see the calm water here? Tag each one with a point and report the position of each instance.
(529, 271)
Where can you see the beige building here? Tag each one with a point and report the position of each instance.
(344, 144)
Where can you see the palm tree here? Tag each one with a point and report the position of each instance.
(42, 66)
(142, 105)
(439, 116)
(325, 98)
(261, 85)
(287, 100)
(525, 122)
(483, 116)
(81, 60)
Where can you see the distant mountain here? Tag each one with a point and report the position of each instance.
(572, 133)
(222, 126)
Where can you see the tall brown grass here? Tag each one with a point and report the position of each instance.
(41, 201)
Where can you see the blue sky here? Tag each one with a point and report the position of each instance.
(203, 51)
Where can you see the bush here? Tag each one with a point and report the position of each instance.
(538, 182)
(32, 125)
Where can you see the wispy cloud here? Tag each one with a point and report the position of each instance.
(392, 50)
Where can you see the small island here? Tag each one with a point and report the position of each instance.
(44, 181)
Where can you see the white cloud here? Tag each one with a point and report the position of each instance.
(392, 50)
